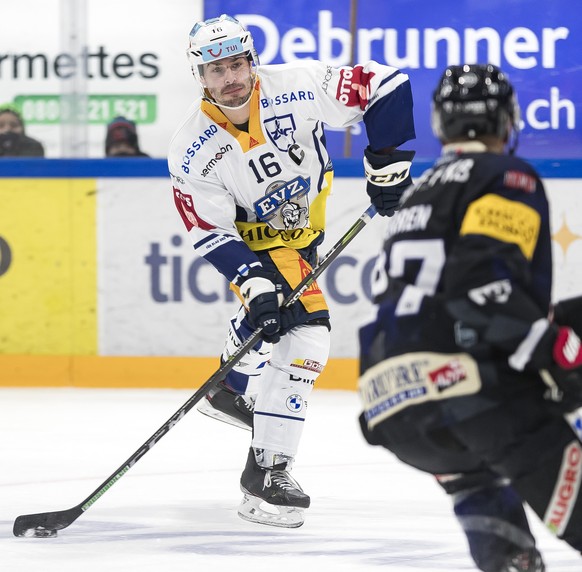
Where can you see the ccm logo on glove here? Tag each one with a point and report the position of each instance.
(388, 176)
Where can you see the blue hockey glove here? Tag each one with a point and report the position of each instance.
(262, 297)
(388, 177)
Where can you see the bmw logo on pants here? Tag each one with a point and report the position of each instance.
(295, 403)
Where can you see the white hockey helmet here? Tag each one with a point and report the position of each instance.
(218, 38)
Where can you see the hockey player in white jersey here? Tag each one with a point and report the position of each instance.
(251, 176)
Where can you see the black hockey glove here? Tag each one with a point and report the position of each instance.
(262, 297)
(564, 388)
(388, 177)
(548, 345)
(569, 313)
(558, 357)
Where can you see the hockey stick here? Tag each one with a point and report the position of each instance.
(46, 524)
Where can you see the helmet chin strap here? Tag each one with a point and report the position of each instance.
(232, 107)
(513, 142)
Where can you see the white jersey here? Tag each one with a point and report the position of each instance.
(239, 192)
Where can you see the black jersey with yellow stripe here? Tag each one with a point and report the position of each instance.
(467, 260)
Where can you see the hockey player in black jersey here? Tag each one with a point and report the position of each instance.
(468, 372)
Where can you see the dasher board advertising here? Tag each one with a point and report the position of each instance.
(535, 42)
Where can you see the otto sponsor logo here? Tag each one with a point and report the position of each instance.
(309, 364)
(210, 165)
(353, 87)
(196, 145)
(566, 490)
(448, 375)
(344, 87)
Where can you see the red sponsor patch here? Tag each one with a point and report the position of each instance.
(309, 364)
(518, 180)
(354, 87)
(448, 375)
(305, 270)
(185, 206)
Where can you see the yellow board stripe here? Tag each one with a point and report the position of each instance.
(48, 294)
(139, 372)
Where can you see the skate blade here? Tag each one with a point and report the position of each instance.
(259, 511)
(206, 409)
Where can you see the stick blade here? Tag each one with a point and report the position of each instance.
(41, 524)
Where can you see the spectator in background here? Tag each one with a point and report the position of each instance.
(13, 141)
(121, 139)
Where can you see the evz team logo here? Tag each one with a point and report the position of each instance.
(280, 131)
(285, 206)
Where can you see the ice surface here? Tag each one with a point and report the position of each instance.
(175, 510)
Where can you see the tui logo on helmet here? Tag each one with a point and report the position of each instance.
(221, 50)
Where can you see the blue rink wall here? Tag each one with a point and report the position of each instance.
(99, 286)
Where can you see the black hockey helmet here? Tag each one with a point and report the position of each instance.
(474, 100)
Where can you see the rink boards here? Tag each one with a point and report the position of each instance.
(99, 285)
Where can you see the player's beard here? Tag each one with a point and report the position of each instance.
(234, 95)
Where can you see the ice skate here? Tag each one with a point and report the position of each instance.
(225, 405)
(271, 495)
(524, 561)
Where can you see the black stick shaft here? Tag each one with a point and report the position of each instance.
(25, 524)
